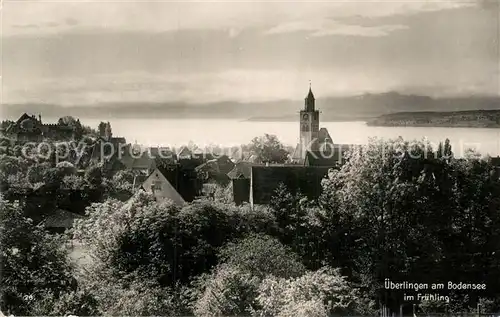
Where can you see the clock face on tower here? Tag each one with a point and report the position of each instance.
(305, 116)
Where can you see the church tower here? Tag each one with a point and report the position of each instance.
(309, 126)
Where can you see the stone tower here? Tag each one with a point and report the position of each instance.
(309, 126)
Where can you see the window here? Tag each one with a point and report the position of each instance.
(156, 185)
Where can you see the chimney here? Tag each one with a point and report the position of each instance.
(40, 118)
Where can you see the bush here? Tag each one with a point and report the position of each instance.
(228, 292)
(33, 263)
(261, 256)
(278, 295)
(79, 303)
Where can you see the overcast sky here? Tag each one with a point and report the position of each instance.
(89, 52)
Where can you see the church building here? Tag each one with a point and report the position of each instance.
(312, 139)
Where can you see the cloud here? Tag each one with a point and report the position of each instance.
(242, 85)
(329, 27)
(193, 15)
(236, 84)
(25, 26)
(71, 21)
(234, 32)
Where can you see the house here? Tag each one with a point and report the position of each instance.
(225, 164)
(241, 169)
(142, 164)
(60, 221)
(264, 180)
(138, 180)
(331, 155)
(108, 148)
(184, 153)
(161, 188)
(202, 155)
(163, 155)
(183, 181)
(216, 170)
(31, 129)
(495, 162)
(319, 158)
(145, 161)
(240, 177)
(324, 137)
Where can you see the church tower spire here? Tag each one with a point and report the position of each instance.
(309, 100)
(309, 125)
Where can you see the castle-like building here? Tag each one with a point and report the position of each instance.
(31, 128)
(312, 138)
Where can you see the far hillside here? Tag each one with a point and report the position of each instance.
(467, 119)
(350, 108)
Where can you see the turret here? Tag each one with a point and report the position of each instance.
(107, 132)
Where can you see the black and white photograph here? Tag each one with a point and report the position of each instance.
(285, 158)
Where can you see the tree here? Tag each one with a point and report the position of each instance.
(262, 255)
(231, 288)
(93, 175)
(123, 181)
(402, 216)
(228, 291)
(138, 298)
(67, 120)
(268, 149)
(224, 194)
(318, 293)
(297, 218)
(102, 127)
(33, 263)
(78, 302)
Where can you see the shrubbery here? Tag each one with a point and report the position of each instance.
(380, 215)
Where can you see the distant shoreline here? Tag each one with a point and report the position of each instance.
(295, 119)
(471, 126)
(486, 119)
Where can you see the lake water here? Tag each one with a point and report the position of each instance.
(224, 132)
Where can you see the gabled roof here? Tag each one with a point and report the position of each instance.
(139, 179)
(118, 140)
(320, 158)
(23, 117)
(254, 159)
(323, 135)
(225, 164)
(184, 151)
(209, 166)
(296, 155)
(167, 191)
(17, 123)
(145, 161)
(162, 152)
(241, 170)
(112, 145)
